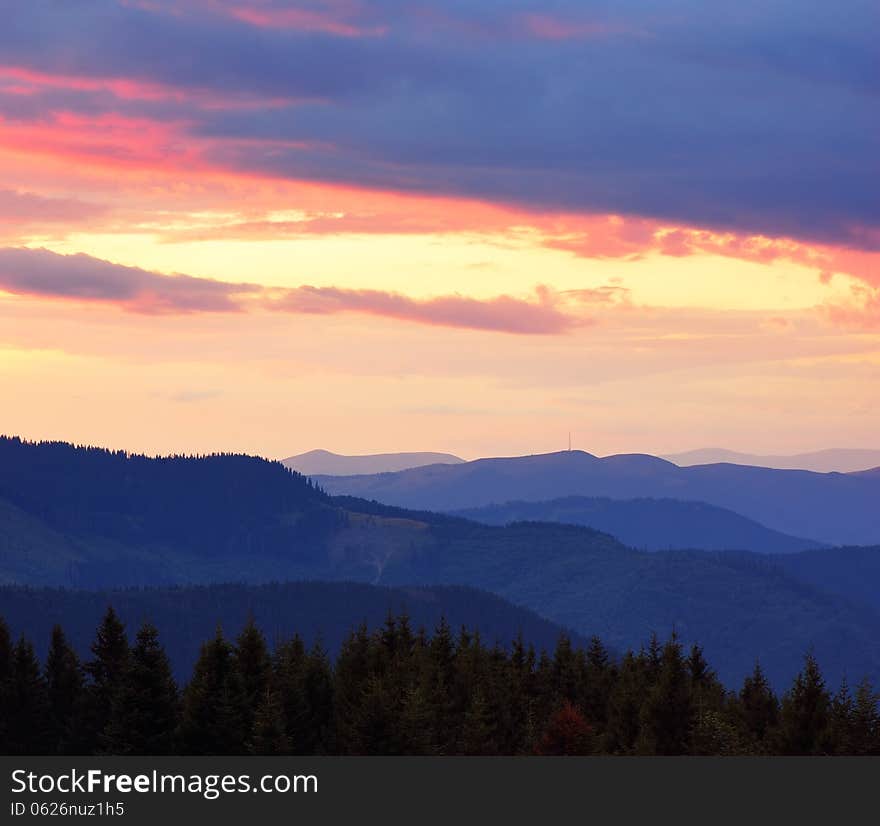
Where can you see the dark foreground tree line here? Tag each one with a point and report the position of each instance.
(400, 691)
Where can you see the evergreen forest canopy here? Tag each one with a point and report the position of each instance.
(325, 611)
(397, 690)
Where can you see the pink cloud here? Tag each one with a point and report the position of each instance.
(40, 272)
(134, 151)
(540, 316)
(81, 278)
(306, 20)
(21, 208)
(30, 81)
(614, 236)
(548, 27)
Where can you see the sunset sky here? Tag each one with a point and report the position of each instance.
(460, 225)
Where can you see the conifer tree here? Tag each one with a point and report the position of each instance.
(5, 683)
(842, 712)
(399, 692)
(317, 732)
(708, 701)
(758, 708)
(106, 671)
(715, 732)
(667, 714)
(654, 658)
(374, 728)
(624, 713)
(415, 725)
(145, 710)
(477, 736)
(805, 717)
(519, 683)
(288, 680)
(255, 667)
(566, 676)
(350, 678)
(27, 721)
(213, 703)
(599, 680)
(64, 683)
(269, 735)
(440, 679)
(545, 700)
(866, 720)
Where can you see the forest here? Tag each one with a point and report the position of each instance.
(88, 519)
(400, 690)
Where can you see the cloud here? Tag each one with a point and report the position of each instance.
(40, 272)
(613, 236)
(586, 236)
(755, 119)
(549, 27)
(505, 314)
(18, 207)
(610, 294)
(861, 312)
(300, 19)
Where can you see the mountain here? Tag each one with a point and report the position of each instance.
(830, 508)
(852, 573)
(834, 460)
(89, 518)
(323, 462)
(317, 611)
(740, 606)
(650, 524)
(85, 517)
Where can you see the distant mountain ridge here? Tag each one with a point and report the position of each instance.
(831, 508)
(90, 518)
(650, 524)
(323, 462)
(833, 460)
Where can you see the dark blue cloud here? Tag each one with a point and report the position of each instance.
(749, 116)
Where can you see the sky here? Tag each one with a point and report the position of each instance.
(463, 225)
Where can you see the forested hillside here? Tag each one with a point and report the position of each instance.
(650, 524)
(394, 689)
(318, 611)
(86, 518)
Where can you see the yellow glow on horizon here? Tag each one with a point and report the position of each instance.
(480, 266)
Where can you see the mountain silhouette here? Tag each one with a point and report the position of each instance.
(323, 462)
(651, 524)
(831, 508)
(833, 460)
(85, 518)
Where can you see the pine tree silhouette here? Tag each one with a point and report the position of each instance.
(145, 710)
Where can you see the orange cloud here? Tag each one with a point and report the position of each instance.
(113, 151)
(614, 236)
(861, 312)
